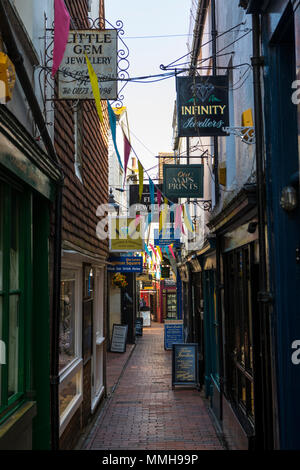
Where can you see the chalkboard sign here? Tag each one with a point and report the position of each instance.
(119, 336)
(185, 364)
(139, 326)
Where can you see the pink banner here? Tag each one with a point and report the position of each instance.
(61, 33)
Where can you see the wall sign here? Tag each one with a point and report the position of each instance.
(202, 105)
(167, 237)
(185, 364)
(101, 48)
(183, 181)
(125, 264)
(119, 336)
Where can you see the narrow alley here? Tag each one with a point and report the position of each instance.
(144, 412)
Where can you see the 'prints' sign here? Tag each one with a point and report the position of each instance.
(183, 180)
(202, 105)
(101, 48)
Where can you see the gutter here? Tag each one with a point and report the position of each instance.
(17, 59)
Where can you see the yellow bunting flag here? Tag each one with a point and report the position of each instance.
(187, 222)
(95, 88)
(141, 179)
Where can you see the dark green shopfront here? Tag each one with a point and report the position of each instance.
(28, 181)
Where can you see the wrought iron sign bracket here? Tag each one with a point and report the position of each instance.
(205, 204)
(246, 134)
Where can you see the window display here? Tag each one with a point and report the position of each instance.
(172, 305)
(67, 350)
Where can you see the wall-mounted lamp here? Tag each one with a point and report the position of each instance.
(289, 199)
(111, 201)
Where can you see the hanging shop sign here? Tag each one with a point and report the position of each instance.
(173, 333)
(202, 105)
(125, 235)
(183, 181)
(125, 264)
(145, 199)
(100, 46)
(185, 364)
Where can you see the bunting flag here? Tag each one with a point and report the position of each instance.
(181, 213)
(151, 188)
(141, 179)
(178, 222)
(61, 33)
(153, 249)
(95, 87)
(113, 123)
(171, 249)
(159, 252)
(158, 197)
(127, 150)
(187, 219)
(146, 249)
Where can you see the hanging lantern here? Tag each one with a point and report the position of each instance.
(7, 78)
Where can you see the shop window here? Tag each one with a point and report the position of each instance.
(171, 305)
(13, 206)
(239, 294)
(70, 392)
(67, 330)
(70, 361)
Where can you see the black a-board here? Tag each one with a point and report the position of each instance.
(185, 365)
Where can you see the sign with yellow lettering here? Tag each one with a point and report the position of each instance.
(126, 234)
(101, 48)
(202, 106)
(185, 364)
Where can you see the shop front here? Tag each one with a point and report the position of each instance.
(28, 183)
(234, 325)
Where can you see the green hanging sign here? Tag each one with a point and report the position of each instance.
(183, 181)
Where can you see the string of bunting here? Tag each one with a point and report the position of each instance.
(62, 21)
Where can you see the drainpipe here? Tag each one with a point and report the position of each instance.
(17, 59)
(264, 297)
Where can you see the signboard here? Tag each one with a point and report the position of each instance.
(145, 199)
(145, 314)
(167, 237)
(173, 333)
(202, 105)
(139, 326)
(185, 364)
(119, 336)
(125, 234)
(125, 264)
(101, 48)
(183, 181)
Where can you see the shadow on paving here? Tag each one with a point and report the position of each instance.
(144, 413)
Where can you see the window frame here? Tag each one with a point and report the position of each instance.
(76, 365)
(8, 404)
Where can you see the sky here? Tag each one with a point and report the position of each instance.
(150, 106)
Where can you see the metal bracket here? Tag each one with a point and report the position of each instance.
(205, 204)
(246, 134)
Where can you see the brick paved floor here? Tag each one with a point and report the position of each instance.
(145, 413)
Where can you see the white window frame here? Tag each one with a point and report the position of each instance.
(98, 337)
(76, 366)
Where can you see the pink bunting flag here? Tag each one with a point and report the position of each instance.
(158, 197)
(153, 249)
(127, 150)
(61, 33)
(178, 217)
(170, 248)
